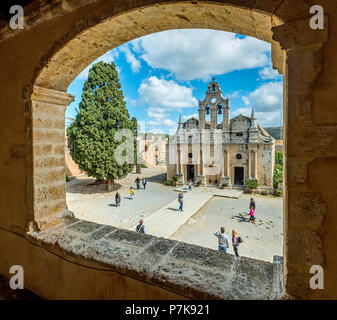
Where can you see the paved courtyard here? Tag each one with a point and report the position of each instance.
(205, 211)
(262, 240)
(92, 202)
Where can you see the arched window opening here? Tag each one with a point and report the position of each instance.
(219, 113)
(207, 114)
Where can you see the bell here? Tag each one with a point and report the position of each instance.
(219, 111)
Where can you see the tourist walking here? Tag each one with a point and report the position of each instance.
(190, 185)
(236, 240)
(137, 181)
(132, 193)
(181, 201)
(117, 199)
(144, 183)
(222, 240)
(252, 214)
(252, 203)
(140, 227)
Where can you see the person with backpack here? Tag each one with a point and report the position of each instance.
(137, 181)
(140, 227)
(181, 201)
(222, 240)
(144, 183)
(236, 240)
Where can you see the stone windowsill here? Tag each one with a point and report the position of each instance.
(192, 271)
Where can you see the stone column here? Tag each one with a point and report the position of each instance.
(255, 163)
(226, 175)
(201, 170)
(180, 173)
(249, 173)
(308, 156)
(49, 176)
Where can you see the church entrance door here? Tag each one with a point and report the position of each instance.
(238, 176)
(190, 172)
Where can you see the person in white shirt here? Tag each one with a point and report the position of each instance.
(222, 240)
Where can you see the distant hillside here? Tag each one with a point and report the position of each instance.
(275, 132)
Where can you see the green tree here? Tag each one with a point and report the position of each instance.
(278, 169)
(92, 134)
(279, 158)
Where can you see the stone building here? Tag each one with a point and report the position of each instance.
(231, 151)
(153, 149)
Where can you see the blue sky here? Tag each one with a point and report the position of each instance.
(164, 75)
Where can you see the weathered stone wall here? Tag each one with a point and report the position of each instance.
(103, 262)
(155, 151)
(60, 39)
(49, 153)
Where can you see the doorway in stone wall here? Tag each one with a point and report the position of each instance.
(238, 176)
(190, 172)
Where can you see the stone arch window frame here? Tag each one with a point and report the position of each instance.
(295, 48)
(221, 108)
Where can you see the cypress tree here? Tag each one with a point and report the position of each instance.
(102, 112)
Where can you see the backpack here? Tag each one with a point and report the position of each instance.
(240, 240)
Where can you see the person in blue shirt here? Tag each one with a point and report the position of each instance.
(181, 201)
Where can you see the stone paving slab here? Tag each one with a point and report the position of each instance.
(166, 221)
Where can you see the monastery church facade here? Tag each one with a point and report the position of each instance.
(215, 149)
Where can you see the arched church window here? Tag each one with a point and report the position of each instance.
(207, 114)
(213, 88)
(239, 156)
(239, 134)
(219, 113)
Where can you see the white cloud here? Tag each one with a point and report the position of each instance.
(131, 59)
(267, 101)
(166, 94)
(265, 119)
(157, 113)
(266, 98)
(268, 73)
(200, 54)
(107, 58)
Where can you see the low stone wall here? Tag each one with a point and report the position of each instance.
(189, 271)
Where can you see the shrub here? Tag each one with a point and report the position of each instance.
(175, 178)
(144, 165)
(199, 182)
(252, 184)
(264, 192)
(278, 193)
(167, 182)
(277, 177)
(224, 185)
(279, 158)
(67, 179)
